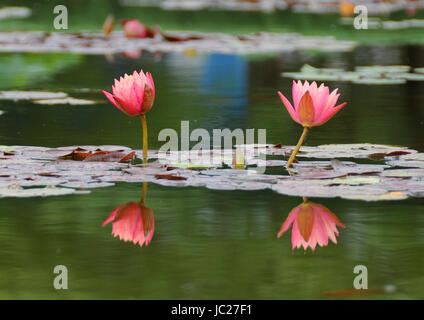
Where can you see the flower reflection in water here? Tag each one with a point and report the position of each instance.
(133, 221)
(312, 224)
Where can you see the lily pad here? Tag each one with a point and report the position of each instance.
(380, 197)
(356, 180)
(177, 42)
(14, 12)
(34, 192)
(408, 173)
(379, 81)
(383, 69)
(85, 167)
(67, 100)
(30, 95)
(378, 75)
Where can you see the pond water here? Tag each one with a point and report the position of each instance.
(206, 243)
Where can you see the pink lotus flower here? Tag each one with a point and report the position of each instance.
(134, 95)
(132, 221)
(312, 224)
(313, 105)
(134, 28)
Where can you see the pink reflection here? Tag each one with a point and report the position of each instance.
(133, 221)
(312, 224)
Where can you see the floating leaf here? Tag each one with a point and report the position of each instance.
(383, 69)
(30, 95)
(380, 197)
(31, 166)
(404, 173)
(128, 157)
(190, 165)
(178, 41)
(34, 192)
(362, 74)
(67, 100)
(14, 12)
(379, 81)
(356, 180)
(169, 177)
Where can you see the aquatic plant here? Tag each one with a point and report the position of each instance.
(134, 28)
(134, 95)
(312, 106)
(312, 224)
(133, 221)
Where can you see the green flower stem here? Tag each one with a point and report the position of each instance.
(145, 140)
(299, 144)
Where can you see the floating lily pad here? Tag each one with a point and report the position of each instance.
(383, 69)
(356, 180)
(14, 12)
(379, 81)
(25, 167)
(191, 165)
(408, 173)
(378, 75)
(30, 95)
(35, 192)
(67, 100)
(381, 197)
(180, 42)
(7, 149)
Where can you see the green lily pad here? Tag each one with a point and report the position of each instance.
(14, 12)
(67, 100)
(35, 192)
(382, 69)
(6, 149)
(191, 165)
(379, 81)
(30, 95)
(380, 197)
(356, 180)
(407, 173)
